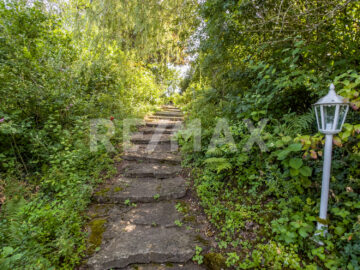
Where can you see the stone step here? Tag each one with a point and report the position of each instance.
(169, 113)
(161, 213)
(142, 155)
(166, 266)
(170, 118)
(172, 110)
(156, 138)
(141, 190)
(144, 170)
(152, 130)
(151, 148)
(169, 107)
(162, 124)
(126, 244)
(149, 235)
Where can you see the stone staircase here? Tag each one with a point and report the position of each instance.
(139, 222)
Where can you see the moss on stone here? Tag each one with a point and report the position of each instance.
(215, 261)
(201, 240)
(190, 218)
(169, 264)
(97, 228)
(185, 208)
(98, 210)
(117, 189)
(102, 192)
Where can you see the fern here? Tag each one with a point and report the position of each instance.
(300, 123)
(217, 164)
(214, 152)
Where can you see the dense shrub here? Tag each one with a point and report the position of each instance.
(52, 83)
(273, 60)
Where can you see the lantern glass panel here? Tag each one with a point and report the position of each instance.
(329, 116)
(318, 117)
(342, 115)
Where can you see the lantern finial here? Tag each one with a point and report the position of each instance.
(332, 87)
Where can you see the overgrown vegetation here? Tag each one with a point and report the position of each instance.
(273, 59)
(61, 65)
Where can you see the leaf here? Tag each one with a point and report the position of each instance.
(337, 141)
(218, 164)
(279, 143)
(283, 154)
(286, 139)
(303, 232)
(345, 135)
(296, 163)
(339, 230)
(289, 237)
(6, 251)
(294, 172)
(313, 154)
(305, 171)
(295, 147)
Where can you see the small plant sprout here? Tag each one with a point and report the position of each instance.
(198, 258)
(127, 202)
(178, 223)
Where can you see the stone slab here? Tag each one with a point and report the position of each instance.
(168, 266)
(152, 130)
(157, 170)
(142, 190)
(151, 148)
(164, 124)
(156, 138)
(162, 117)
(161, 213)
(143, 155)
(169, 113)
(128, 244)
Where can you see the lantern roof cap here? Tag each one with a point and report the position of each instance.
(331, 98)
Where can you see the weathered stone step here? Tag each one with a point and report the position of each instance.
(162, 213)
(169, 113)
(172, 110)
(128, 244)
(142, 155)
(169, 107)
(171, 118)
(151, 148)
(153, 130)
(162, 124)
(157, 170)
(141, 190)
(156, 138)
(167, 266)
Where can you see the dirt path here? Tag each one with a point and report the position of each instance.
(139, 217)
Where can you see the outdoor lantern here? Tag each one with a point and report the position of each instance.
(330, 114)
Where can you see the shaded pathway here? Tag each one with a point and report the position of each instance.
(135, 213)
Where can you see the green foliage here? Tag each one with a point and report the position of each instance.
(198, 258)
(62, 65)
(273, 59)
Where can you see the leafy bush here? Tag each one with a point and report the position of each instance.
(53, 81)
(252, 67)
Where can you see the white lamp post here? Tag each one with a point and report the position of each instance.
(330, 113)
